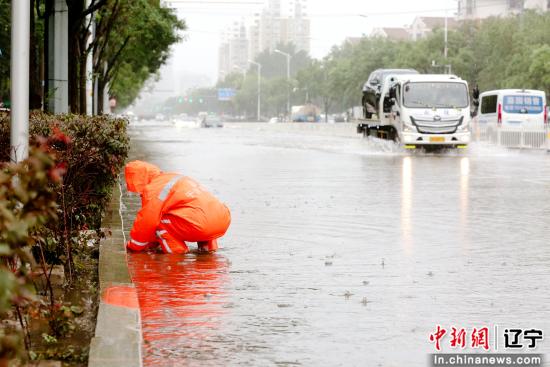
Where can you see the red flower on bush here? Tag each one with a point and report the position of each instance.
(57, 172)
(60, 136)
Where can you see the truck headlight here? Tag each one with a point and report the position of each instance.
(464, 124)
(408, 128)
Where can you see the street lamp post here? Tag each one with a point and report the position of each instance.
(259, 86)
(288, 80)
(20, 33)
(243, 70)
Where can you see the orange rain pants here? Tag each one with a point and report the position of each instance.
(174, 209)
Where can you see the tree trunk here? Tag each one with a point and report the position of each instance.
(100, 95)
(47, 14)
(73, 76)
(35, 97)
(82, 83)
(75, 53)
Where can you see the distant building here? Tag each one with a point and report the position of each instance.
(296, 29)
(271, 28)
(394, 34)
(353, 40)
(480, 9)
(422, 26)
(233, 51)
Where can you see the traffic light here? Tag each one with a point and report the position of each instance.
(201, 100)
(190, 100)
(180, 100)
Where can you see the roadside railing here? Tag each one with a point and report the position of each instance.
(512, 137)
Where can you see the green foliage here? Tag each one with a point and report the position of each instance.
(137, 45)
(133, 38)
(27, 203)
(47, 204)
(93, 154)
(509, 52)
(274, 65)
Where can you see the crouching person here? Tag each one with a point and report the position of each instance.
(174, 210)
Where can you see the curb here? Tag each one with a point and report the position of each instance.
(118, 336)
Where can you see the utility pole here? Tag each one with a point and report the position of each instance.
(20, 35)
(58, 57)
(259, 86)
(288, 80)
(90, 22)
(446, 36)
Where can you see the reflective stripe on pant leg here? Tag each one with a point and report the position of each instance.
(163, 242)
(170, 244)
(137, 243)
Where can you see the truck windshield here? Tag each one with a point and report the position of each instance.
(435, 95)
(523, 104)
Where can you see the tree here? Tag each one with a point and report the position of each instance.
(79, 33)
(5, 30)
(539, 70)
(133, 42)
(315, 80)
(275, 65)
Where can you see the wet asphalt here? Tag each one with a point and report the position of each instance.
(343, 251)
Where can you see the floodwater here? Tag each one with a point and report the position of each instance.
(343, 251)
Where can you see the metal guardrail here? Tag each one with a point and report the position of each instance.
(512, 137)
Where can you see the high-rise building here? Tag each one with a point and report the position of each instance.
(233, 51)
(296, 29)
(270, 25)
(269, 28)
(272, 28)
(480, 9)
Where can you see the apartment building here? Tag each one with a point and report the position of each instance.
(480, 9)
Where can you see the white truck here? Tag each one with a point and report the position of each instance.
(422, 110)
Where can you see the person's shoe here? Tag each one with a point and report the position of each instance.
(207, 246)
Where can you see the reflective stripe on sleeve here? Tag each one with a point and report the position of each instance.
(166, 189)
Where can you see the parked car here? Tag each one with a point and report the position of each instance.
(373, 87)
(211, 121)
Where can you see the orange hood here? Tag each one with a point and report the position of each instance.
(139, 174)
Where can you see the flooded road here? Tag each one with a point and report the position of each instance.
(342, 251)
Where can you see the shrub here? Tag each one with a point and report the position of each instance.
(93, 150)
(48, 204)
(27, 203)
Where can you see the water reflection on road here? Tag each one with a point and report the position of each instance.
(182, 301)
(343, 251)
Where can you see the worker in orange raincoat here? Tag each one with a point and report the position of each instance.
(174, 209)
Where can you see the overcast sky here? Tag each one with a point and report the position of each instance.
(331, 22)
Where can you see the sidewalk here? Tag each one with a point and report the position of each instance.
(118, 336)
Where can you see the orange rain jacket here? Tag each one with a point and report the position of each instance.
(176, 203)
